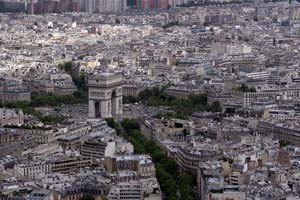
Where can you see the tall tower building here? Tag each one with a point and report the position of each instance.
(89, 6)
(163, 4)
(82, 5)
(145, 4)
(30, 8)
(123, 5)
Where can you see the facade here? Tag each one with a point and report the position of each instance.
(81, 189)
(105, 6)
(220, 97)
(15, 94)
(59, 84)
(132, 90)
(7, 137)
(9, 116)
(70, 165)
(141, 164)
(189, 158)
(12, 6)
(209, 179)
(32, 169)
(145, 189)
(49, 6)
(94, 148)
(183, 92)
(274, 93)
(70, 142)
(151, 4)
(42, 151)
(280, 114)
(39, 135)
(105, 95)
(289, 132)
(13, 142)
(39, 195)
(127, 190)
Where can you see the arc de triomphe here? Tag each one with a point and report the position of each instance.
(105, 95)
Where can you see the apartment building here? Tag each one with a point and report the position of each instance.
(15, 94)
(142, 164)
(126, 190)
(70, 164)
(188, 158)
(9, 116)
(39, 134)
(96, 148)
(31, 170)
(8, 136)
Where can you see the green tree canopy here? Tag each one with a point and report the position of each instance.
(87, 197)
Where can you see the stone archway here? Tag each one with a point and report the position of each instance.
(105, 95)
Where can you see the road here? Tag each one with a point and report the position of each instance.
(79, 111)
(137, 111)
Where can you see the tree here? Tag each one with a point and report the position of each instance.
(170, 24)
(252, 89)
(117, 21)
(290, 1)
(199, 98)
(185, 182)
(206, 23)
(130, 124)
(245, 88)
(110, 122)
(87, 197)
(284, 143)
(80, 94)
(171, 116)
(113, 124)
(67, 67)
(80, 81)
(216, 107)
(52, 119)
(182, 106)
(130, 99)
(166, 168)
(230, 110)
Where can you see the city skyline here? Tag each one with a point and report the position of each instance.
(149, 99)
